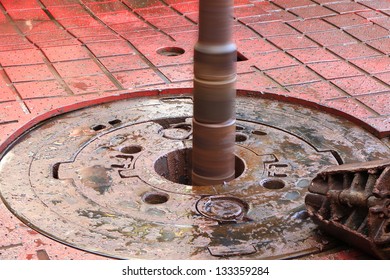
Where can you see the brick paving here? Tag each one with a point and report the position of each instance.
(60, 53)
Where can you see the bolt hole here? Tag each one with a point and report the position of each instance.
(115, 122)
(131, 149)
(98, 127)
(259, 133)
(155, 197)
(273, 184)
(170, 51)
(241, 57)
(387, 228)
(240, 137)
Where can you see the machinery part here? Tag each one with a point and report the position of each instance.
(115, 179)
(214, 95)
(352, 202)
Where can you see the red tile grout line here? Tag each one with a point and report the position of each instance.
(178, 12)
(99, 64)
(143, 57)
(45, 59)
(145, 20)
(347, 61)
(376, 10)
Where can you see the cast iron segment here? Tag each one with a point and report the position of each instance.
(352, 202)
(214, 95)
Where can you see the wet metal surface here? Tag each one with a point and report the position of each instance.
(352, 202)
(107, 179)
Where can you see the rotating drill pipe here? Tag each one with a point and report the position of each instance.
(213, 159)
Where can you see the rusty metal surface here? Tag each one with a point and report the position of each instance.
(215, 77)
(113, 179)
(352, 202)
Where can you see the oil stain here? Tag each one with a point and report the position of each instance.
(96, 177)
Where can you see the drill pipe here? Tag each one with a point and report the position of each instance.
(215, 55)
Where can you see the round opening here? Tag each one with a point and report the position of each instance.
(387, 228)
(170, 51)
(240, 137)
(258, 132)
(131, 149)
(176, 166)
(155, 197)
(273, 184)
(239, 128)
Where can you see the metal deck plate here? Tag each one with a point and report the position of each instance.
(111, 179)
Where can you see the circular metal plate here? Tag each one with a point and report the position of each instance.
(96, 179)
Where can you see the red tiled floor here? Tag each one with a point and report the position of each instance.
(347, 20)
(88, 84)
(254, 46)
(312, 26)
(293, 42)
(332, 38)
(6, 94)
(21, 57)
(273, 60)
(178, 73)
(269, 29)
(374, 65)
(385, 77)
(138, 78)
(28, 14)
(380, 103)
(288, 4)
(312, 12)
(67, 12)
(382, 45)
(77, 68)
(29, 73)
(110, 48)
(353, 51)
(317, 92)
(64, 53)
(10, 5)
(155, 12)
(123, 62)
(313, 55)
(350, 107)
(347, 7)
(368, 32)
(293, 76)
(335, 69)
(360, 85)
(40, 89)
(10, 111)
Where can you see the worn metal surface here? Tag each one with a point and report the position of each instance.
(103, 179)
(352, 202)
(214, 118)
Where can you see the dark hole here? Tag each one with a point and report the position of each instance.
(240, 137)
(155, 197)
(56, 168)
(273, 184)
(258, 132)
(98, 127)
(131, 149)
(241, 57)
(239, 127)
(387, 228)
(171, 51)
(114, 122)
(176, 166)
